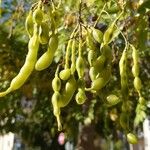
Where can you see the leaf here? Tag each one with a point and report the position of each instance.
(142, 8)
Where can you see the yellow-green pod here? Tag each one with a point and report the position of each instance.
(29, 24)
(46, 59)
(106, 51)
(80, 96)
(108, 34)
(56, 97)
(93, 73)
(112, 100)
(80, 66)
(123, 120)
(97, 84)
(65, 74)
(132, 138)
(97, 35)
(137, 83)
(91, 57)
(28, 66)
(68, 92)
(135, 70)
(99, 63)
(90, 41)
(44, 33)
(56, 83)
(38, 16)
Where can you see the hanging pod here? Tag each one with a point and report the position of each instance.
(91, 57)
(97, 35)
(137, 83)
(44, 33)
(80, 66)
(28, 66)
(68, 92)
(132, 138)
(93, 73)
(56, 83)
(99, 63)
(38, 16)
(29, 25)
(80, 96)
(90, 41)
(112, 100)
(46, 59)
(65, 74)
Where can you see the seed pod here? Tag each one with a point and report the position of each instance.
(93, 73)
(68, 92)
(46, 59)
(29, 24)
(142, 101)
(38, 16)
(28, 66)
(90, 41)
(112, 100)
(123, 120)
(80, 97)
(65, 74)
(97, 84)
(99, 63)
(97, 34)
(122, 63)
(91, 57)
(137, 83)
(135, 70)
(56, 83)
(132, 138)
(106, 51)
(108, 34)
(44, 33)
(56, 97)
(80, 66)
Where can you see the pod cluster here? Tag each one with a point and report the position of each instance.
(86, 67)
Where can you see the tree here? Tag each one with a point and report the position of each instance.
(102, 41)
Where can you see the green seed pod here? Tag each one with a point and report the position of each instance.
(44, 33)
(122, 63)
(56, 97)
(137, 83)
(112, 100)
(97, 84)
(135, 70)
(99, 63)
(90, 41)
(106, 51)
(46, 59)
(80, 96)
(108, 34)
(65, 74)
(68, 92)
(56, 83)
(38, 16)
(80, 66)
(91, 57)
(132, 138)
(105, 74)
(123, 120)
(28, 66)
(142, 100)
(97, 34)
(93, 73)
(29, 24)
